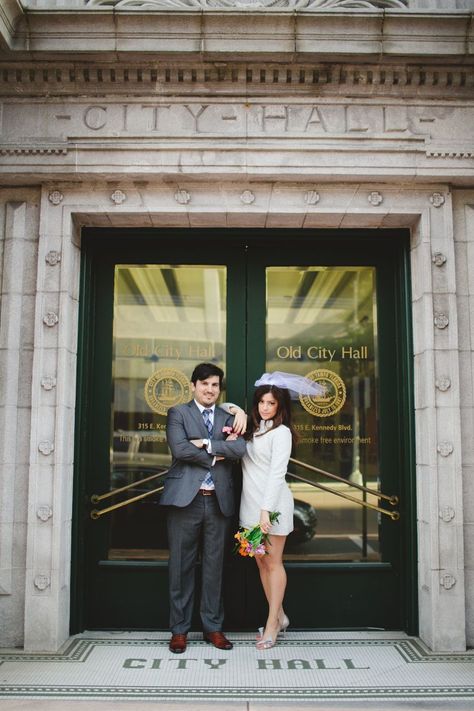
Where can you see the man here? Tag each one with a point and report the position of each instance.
(199, 491)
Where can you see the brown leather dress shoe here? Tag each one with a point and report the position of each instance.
(177, 643)
(218, 640)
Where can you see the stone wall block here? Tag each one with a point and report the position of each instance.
(65, 418)
(11, 317)
(449, 630)
(8, 434)
(462, 267)
(43, 536)
(6, 556)
(469, 578)
(425, 426)
(426, 476)
(423, 315)
(28, 321)
(421, 272)
(48, 364)
(467, 429)
(469, 217)
(465, 317)
(466, 387)
(424, 371)
(25, 375)
(66, 379)
(10, 370)
(169, 219)
(23, 435)
(69, 310)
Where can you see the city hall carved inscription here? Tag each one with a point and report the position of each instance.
(76, 120)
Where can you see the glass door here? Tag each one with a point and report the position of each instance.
(149, 315)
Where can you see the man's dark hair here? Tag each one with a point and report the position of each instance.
(205, 370)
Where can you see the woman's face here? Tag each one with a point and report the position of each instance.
(268, 406)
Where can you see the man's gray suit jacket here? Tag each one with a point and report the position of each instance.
(190, 464)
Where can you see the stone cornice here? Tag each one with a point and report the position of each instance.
(397, 80)
(247, 34)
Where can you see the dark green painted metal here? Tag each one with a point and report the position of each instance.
(319, 594)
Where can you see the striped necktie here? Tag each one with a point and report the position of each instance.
(209, 426)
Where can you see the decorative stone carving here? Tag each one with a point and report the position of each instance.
(46, 447)
(447, 514)
(439, 259)
(182, 197)
(48, 382)
(443, 383)
(441, 320)
(248, 4)
(447, 581)
(247, 197)
(437, 199)
(311, 197)
(445, 448)
(55, 197)
(50, 319)
(42, 582)
(44, 513)
(53, 257)
(118, 197)
(375, 198)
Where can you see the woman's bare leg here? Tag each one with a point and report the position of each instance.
(273, 577)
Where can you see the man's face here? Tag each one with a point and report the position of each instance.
(207, 391)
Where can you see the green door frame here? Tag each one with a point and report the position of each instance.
(387, 249)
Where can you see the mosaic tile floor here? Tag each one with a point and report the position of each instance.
(303, 666)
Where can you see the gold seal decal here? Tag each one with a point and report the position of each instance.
(166, 387)
(332, 400)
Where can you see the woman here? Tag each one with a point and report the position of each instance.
(270, 437)
(264, 490)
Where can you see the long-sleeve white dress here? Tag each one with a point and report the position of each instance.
(264, 486)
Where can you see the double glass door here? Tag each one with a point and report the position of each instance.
(157, 304)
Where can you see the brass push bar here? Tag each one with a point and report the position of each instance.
(97, 513)
(394, 515)
(95, 498)
(391, 499)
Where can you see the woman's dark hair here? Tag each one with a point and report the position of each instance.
(203, 371)
(283, 413)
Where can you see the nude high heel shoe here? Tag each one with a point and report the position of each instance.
(285, 623)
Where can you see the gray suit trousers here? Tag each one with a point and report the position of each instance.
(200, 525)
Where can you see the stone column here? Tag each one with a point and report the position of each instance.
(18, 247)
(47, 600)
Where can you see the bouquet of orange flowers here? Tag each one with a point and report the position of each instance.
(253, 541)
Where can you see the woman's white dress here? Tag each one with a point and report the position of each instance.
(264, 467)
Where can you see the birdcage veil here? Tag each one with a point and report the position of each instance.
(295, 384)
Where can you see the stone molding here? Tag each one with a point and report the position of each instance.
(289, 5)
(233, 78)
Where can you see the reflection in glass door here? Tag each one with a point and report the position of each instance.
(321, 322)
(166, 319)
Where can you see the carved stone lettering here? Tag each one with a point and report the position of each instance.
(95, 117)
(270, 114)
(155, 114)
(196, 112)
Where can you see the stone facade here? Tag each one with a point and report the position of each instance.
(349, 115)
